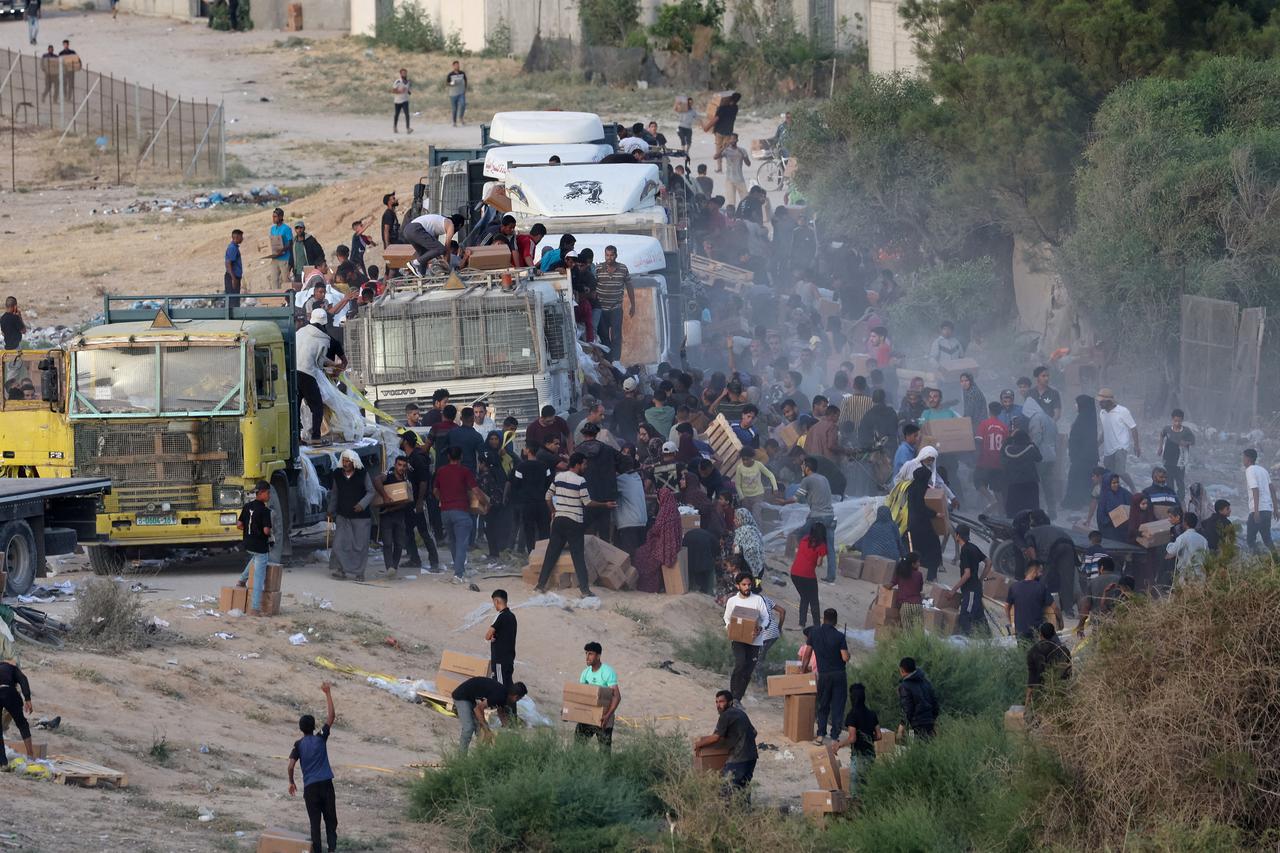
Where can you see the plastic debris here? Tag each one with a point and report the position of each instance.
(298, 639)
(224, 635)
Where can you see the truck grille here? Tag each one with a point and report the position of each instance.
(152, 463)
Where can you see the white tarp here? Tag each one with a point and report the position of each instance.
(545, 127)
(639, 252)
(600, 189)
(853, 519)
(496, 159)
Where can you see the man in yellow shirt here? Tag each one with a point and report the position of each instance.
(748, 481)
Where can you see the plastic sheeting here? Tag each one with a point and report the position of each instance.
(312, 489)
(854, 517)
(346, 418)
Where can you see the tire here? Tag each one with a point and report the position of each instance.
(39, 636)
(106, 560)
(769, 175)
(1005, 558)
(18, 544)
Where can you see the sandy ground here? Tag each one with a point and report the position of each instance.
(200, 690)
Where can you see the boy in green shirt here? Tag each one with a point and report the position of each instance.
(600, 674)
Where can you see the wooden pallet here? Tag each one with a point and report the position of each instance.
(442, 699)
(725, 444)
(713, 271)
(68, 771)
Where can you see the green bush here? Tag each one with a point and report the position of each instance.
(978, 679)
(677, 22)
(220, 16)
(410, 28)
(709, 649)
(969, 293)
(498, 42)
(607, 23)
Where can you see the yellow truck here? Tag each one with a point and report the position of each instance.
(183, 403)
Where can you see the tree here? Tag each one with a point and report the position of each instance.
(1179, 193)
(677, 22)
(608, 22)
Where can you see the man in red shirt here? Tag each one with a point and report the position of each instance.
(547, 425)
(991, 437)
(879, 347)
(527, 244)
(453, 485)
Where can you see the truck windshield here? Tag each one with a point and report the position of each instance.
(149, 380)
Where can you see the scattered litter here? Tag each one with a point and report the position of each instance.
(188, 606)
(204, 749)
(475, 617)
(325, 604)
(206, 814)
(157, 622)
(784, 755)
(553, 599)
(224, 635)
(206, 599)
(392, 642)
(172, 661)
(473, 587)
(401, 688)
(298, 639)
(410, 577)
(250, 656)
(235, 613)
(256, 196)
(667, 665)
(528, 711)
(49, 724)
(36, 599)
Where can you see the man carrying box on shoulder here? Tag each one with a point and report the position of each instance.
(600, 674)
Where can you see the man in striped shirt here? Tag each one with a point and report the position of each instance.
(612, 278)
(567, 499)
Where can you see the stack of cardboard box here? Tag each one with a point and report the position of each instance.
(562, 576)
(233, 598)
(271, 583)
(585, 703)
(943, 618)
(878, 569)
(799, 692)
(832, 796)
(611, 565)
(850, 565)
(455, 668)
(1155, 534)
(884, 615)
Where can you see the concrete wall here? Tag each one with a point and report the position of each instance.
(316, 14)
(890, 47)
(183, 10)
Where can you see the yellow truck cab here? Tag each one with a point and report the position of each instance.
(185, 402)
(35, 437)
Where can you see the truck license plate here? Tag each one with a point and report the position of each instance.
(149, 520)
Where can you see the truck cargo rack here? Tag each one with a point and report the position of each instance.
(471, 280)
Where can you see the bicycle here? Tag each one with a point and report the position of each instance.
(36, 626)
(772, 174)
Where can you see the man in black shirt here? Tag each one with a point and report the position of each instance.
(529, 483)
(916, 697)
(1048, 657)
(394, 522)
(735, 729)
(970, 584)
(702, 548)
(726, 115)
(1027, 600)
(12, 326)
(419, 460)
(601, 475)
(831, 652)
(255, 523)
(475, 695)
(502, 639)
(390, 225)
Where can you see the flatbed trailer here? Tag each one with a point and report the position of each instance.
(41, 518)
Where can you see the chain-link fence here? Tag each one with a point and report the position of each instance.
(153, 130)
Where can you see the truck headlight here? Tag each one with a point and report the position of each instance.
(228, 518)
(229, 496)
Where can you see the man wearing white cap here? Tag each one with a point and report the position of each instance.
(313, 348)
(628, 413)
(1117, 435)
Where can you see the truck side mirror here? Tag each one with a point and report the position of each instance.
(48, 380)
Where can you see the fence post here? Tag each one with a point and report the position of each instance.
(222, 142)
(16, 58)
(76, 115)
(164, 125)
(137, 114)
(195, 158)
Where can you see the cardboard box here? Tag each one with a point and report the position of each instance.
(826, 769)
(272, 581)
(951, 368)
(713, 757)
(562, 576)
(463, 664)
(682, 103)
(936, 500)
(589, 715)
(447, 682)
(1015, 719)
(996, 586)
(398, 255)
(817, 804)
(879, 616)
(886, 598)
(675, 578)
(497, 257)
(616, 577)
(690, 521)
(270, 603)
(850, 566)
(1160, 510)
(943, 597)
(788, 685)
(742, 623)
(888, 742)
(587, 694)
(944, 623)
(1153, 534)
(788, 435)
(233, 598)
(398, 495)
(39, 747)
(283, 841)
(709, 120)
(1119, 516)
(792, 667)
(949, 435)
(878, 569)
(277, 245)
(799, 716)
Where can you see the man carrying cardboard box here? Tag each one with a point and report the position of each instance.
(394, 518)
(746, 654)
(600, 674)
(734, 729)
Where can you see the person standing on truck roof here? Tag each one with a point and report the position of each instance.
(390, 223)
(12, 326)
(281, 271)
(430, 234)
(350, 495)
(255, 523)
(612, 280)
(456, 83)
(401, 90)
(313, 345)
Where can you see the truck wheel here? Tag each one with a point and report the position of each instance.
(19, 546)
(281, 525)
(106, 560)
(1005, 558)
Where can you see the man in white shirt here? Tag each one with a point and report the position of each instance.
(567, 498)
(313, 345)
(431, 234)
(484, 423)
(1188, 551)
(401, 90)
(1117, 436)
(1258, 494)
(746, 655)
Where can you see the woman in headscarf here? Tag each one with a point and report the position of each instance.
(748, 541)
(974, 402)
(882, 538)
(921, 537)
(686, 450)
(1022, 479)
(909, 583)
(1111, 496)
(1082, 451)
(926, 458)
(1143, 569)
(495, 484)
(661, 546)
(350, 494)
(648, 446)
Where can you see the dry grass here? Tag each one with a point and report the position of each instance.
(1173, 719)
(108, 617)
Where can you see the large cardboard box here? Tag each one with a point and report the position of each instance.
(562, 576)
(270, 603)
(283, 841)
(850, 566)
(447, 682)
(1015, 719)
(497, 257)
(951, 368)
(589, 715)
(996, 586)
(886, 597)
(826, 769)
(799, 716)
(949, 435)
(1153, 534)
(879, 616)
(792, 667)
(936, 500)
(276, 241)
(877, 569)
(944, 623)
(788, 435)
(888, 742)
(818, 804)
(1119, 516)
(713, 757)
(675, 579)
(788, 685)
(272, 580)
(943, 597)
(398, 255)
(690, 521)
(233, 598)
(587, 694)
(709, 120)
(399, 495)
(742, 624)
(464, 664)
(617, 577)
(600, 554)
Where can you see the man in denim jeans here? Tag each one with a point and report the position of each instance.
(476, 695)
(456, 82)
(734, 729)
(255, 522)
(815, 490)
(453, 485)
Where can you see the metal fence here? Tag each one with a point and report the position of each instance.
(150, 128)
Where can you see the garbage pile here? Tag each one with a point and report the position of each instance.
(255, 196)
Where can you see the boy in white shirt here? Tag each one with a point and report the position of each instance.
(1257, 484)
(746, 655)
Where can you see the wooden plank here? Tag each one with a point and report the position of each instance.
(66, 770)
(725, 443)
